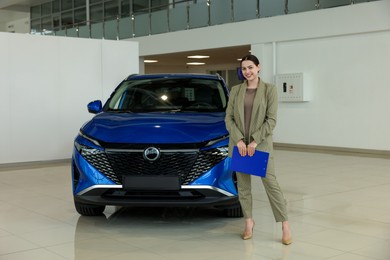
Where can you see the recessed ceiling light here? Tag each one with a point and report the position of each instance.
(198, 57)
(196, 63)
(150, 61)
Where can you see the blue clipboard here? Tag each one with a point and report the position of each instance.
(254, 165)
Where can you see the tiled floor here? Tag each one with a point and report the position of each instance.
(339, 209)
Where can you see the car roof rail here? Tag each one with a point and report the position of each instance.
(131, 75)
(219, 77)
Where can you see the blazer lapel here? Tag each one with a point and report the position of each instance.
(258, 103)
(240, 104)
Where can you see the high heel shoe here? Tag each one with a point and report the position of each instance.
(287, 241)
(248, 235)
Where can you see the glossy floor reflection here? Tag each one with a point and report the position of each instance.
(338, 205)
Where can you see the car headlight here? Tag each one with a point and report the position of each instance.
(224, 150)
(87, 145)
(220, 142)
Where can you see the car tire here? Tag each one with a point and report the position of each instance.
(234, 211)
(89, 210)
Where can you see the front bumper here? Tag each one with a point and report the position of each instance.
(187, 196)
(207, 183)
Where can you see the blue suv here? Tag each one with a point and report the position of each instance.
(159, 140)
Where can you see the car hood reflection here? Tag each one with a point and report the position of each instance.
(154, 127)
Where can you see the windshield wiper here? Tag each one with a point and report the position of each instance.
(119, 111)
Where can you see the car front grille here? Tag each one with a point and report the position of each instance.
(188, 165)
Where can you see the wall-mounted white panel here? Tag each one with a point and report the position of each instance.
(291, 87)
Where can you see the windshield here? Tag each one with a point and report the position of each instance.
(169, 94)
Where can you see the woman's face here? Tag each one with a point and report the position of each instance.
(249, 69)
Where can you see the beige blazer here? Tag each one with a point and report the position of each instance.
(263, 120)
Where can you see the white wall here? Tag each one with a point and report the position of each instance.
(45, 85)
(350, 92)
(343, 52)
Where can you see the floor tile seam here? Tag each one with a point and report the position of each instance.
(361, 234)
(340, 192)
(134, 247)
(45, 195)
(366, 206)
(142, 250)
(251, 254)
(20, 236)
(339, 252)
(73, 244)
(38, 215)
(139, 247)
(45, 215)
(348, 216)
(353, 252)
(52, 252)
(350, 232)
(168, 255)
(13, 234)
(28, 250)
(55, 244)
(296, 238)
(67, 201)
(327, 227)
(324, 227)
(25, 240)
(368, 258)
(48, 248)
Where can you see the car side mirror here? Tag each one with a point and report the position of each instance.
(95, 107)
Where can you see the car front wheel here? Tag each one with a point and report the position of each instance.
(89, 210)
(234, 211)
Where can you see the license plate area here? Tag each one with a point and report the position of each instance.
(151, 183)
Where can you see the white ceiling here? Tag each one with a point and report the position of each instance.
(218, 56)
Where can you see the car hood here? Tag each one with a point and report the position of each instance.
(156, 127)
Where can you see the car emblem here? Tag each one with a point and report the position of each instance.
(151, 154)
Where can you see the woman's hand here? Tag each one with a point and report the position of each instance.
(241, 148)
(252, 148)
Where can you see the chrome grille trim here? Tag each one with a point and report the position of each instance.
(207, 187)
(94, 187)
(183, 187)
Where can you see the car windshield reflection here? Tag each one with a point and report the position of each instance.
(168, 95)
